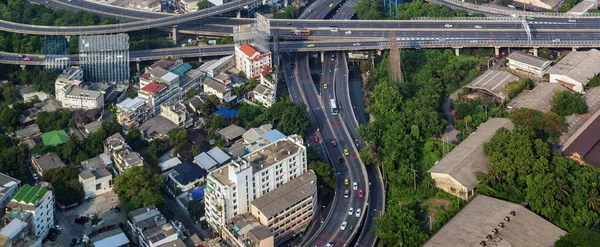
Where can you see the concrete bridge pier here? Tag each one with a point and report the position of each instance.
(575, 48)
(174, 34)
(457, 51)
(285, 3)
(497, 51)
(378, 52)
(322, 57)
(238, 14)
(137, 66)
(199, 59)
(535, 51)
(22, 66)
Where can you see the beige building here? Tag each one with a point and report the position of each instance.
(245, 231)
(126, 159)
(456, 172)
(522, 62)
(130, 112)
(45, 162)
(176, 113)
(94, 176)
(575, 70)
(214, 87)
(544, 4)
(70, 92)
(288, 209)
(250, 60)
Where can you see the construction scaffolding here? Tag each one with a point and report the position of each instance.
(257, 34)
(54, 51)
(105, 58)
(395, 64)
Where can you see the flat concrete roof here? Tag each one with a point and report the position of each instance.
(481, 216)
(492, 81)
(578, 65)
(286, 195)
(539, 98)
(465, 160)
(271, 154)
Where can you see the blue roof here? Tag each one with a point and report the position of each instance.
(197, 193)
(227, 113)
(188, 172)
(181, 69)
(273, 135)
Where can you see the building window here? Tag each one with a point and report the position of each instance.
(98, 186)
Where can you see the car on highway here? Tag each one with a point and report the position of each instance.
(356, 44)
(473, 41)
(289, 23)
(27, 59)
(529, 18)
(334, 143)
(448, 25)
(346, 194)
(556, 40)
(358, 211)
(41, 57)
(329, 245)
(478, 27)
(346, 152)
(331, 5)
(310, 45)
(348, 32)
(344, 225)
(572, 20)
(324, 85)
(351, 211)
(361, 194)
(316, 139)
(355, 186)
(332, 57)
(346, 182)
(513, 38)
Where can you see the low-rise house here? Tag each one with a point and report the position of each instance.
(215, 67)
(85, 117)
(167, 165)
(254, 134)
(245, 230)
(95, 177)
(8, 188)
(115, 143)
(538, 98)
(231, 133)
(488, 221)
(456, 172)
(28, 132)
(212, 159)
(523, 62)
(126, 159)
(186, 176)
(131, 112)
(213, 87)
(149, 227)
(263, 95)
(92, 127)
(45, 162)
(575, 70)
(157, 127)
(492, 82)
(35, 202)
(583, 146)
(16, 233)
(177, 113)
(55, 137)
(110, 238)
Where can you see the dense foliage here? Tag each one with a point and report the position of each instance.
(138, 187)
(567, 5)
(178, 137)
(565, 103)
(523, 168)
(12, 160)
(291, 118)
(65, 181)
(547, 125)
(580, 237)
(324, 171)
(407, 116)
(289, 12)
(512, 89)
(469, 115)
(594, 81)
(373, 10)
(41, 79)
(203, 4)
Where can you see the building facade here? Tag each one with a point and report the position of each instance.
(250, 60)
(71, 93)
(105, 58)
(37, 202)
(130, 112)
(150, 228)
(231, 188)
(176, 113)
(532, 65)
(95, 177)
(9, 188)
(159, 85)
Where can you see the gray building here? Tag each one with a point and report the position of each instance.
(8, 188)
(104, 58)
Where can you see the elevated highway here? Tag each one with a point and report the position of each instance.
(501, 10)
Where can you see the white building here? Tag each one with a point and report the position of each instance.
(131, 112)
(9, 187)
(70, 93)
(529, 64)
(214, 67)
(231, 188)
(159, 86)
(150, 228)
(214, 87)
(95, 177)
(35, 202)
(251, 61)
(126, 159)
(575, 69)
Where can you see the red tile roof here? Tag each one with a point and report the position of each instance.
(145, 76)
(163, 64)
(153, 87)
(247, 49)
(266, 70)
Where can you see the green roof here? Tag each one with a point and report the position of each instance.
(55, 137)
(182, 68)
(30, 194)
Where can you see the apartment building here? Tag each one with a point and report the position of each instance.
(232, 187)
(9, 187)
(214, 67)
(523, 62)
(150, 228)
(159, 86)
(94, 175)
(115, 143)
(214, 87)
(126, 159)
(35, 202)
(250, 60)
(70, 92)
(130, 112)
(177, 113)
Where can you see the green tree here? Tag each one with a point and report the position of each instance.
(203, 4)
(134, 139)
(565, 103)
(512, 89)
(217, 122)
(580, 237)
(294, 121)
(157, 148)
(594, 81)
(196, 149)
(325, 176)
(547, 125)
(65, 181)
(8, 118)
(399, 227)
(178, 137)
(545, 53)
(131, 94)
(196, 209)
(138, 187)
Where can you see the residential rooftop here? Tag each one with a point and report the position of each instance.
(154, 87)
(222, 175)
(286, 195)
(492, 81)
(539, 98)
(232, 132)
(94, 167)
(474, 223)
(146, 216)
(30, 194)
(157, 124)
(188, 172)
(6, 183)
(271, 154)
(246, 225)
(28, 131)
(465, 160)
(578, 65)
(75, 91)
(48, 161)
(214, 84)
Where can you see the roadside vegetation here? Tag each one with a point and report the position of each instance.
(373, 10)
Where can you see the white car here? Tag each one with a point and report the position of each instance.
(58, 227)
(355, 186)
(36, 177)
(358, 211)
(344, 224)
(356, 44)
(572, 20)
(448, 25)
(556, 40)
(329, 245)
(351, 211)
(478, 27)
(348, 32)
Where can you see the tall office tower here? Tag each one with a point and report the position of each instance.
(105, 58)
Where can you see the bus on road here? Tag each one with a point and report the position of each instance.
(334, 109)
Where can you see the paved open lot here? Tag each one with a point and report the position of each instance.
(99, 206)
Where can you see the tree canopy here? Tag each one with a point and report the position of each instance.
(138, 187)
(373, 10)
(547, 125)
(580, 237)
(565, 103)
(65, 181)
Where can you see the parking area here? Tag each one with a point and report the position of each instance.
(100, 206)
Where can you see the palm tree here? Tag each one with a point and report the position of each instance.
(562, 190)
(593, 201)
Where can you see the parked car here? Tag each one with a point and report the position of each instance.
(115, 209)
(316, 139)
(73, 242)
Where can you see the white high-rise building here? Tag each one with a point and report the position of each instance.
(35, 202)
(231, 188)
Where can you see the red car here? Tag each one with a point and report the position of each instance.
(361, 193)
(334, 143)
(316, 139)
(27, 59)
